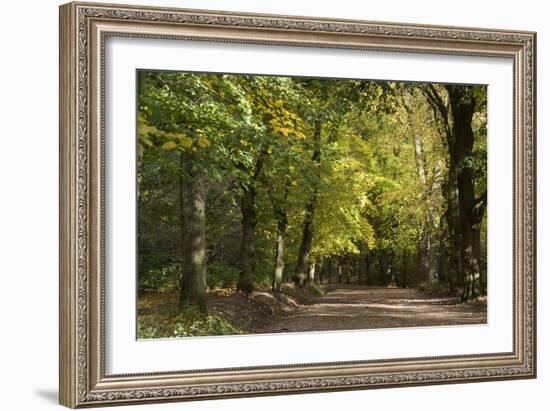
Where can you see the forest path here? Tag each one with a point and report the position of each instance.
(349, 307)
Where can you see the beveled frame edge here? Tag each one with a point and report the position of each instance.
(83, 28)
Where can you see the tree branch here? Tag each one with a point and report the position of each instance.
(435, 100)
(479, 207)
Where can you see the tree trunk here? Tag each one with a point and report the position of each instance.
(279, 259)
(382, 268)
(368, 271)
(463, 105)
(374, 268)
(392, 269)
(433, 260)
(420, 160)
(433, 218)
(423, 256)
(472, 272)
(476, 246)
(404, 280)
(248, 243)
(455, 271)
(282, 223)
(444, 254)
(478, 214)
(181, 198)
(248, 222)
(439, 105)
(428, 256)
(193, 281)
(311, 274)
(307, 232)
(305, 246)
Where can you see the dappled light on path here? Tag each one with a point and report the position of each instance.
(348, 307)
(343, 307)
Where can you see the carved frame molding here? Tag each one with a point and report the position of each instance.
(83, 30)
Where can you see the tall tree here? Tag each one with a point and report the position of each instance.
(463, 104)
(248, 224)
(300, 272)
(430, 184)
(279, 209)
(193, 279)
(259, 179)
(328, 105)
(272, 103)
(438, 99)
(195, 115)
(457, 116)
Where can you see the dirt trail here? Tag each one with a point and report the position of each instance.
(343, 307)
(348, 307)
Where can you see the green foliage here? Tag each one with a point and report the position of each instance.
(221, 276)
(162, 279)
(379, 185)
(190, 322)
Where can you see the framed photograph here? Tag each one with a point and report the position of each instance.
(259, 204)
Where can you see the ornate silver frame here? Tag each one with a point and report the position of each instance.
(83, 30)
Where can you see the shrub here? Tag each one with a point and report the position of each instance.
(189, 322)
(221, 276)
(164, 279)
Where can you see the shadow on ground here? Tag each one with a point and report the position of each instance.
(351, 307)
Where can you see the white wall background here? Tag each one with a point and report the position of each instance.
(29, 190)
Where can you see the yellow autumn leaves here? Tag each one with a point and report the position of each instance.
(283, 121)
(172, 140)
(185, 142)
